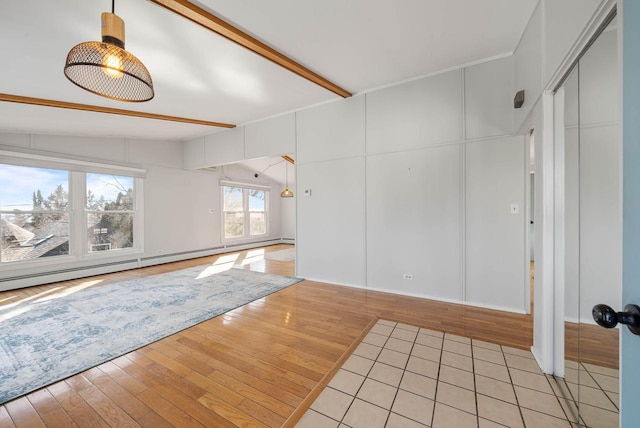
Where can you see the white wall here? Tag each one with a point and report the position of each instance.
(414, 222)
(421, 113)
(394, 190)
(177, 202)
(330, 223)
(495, 184)
(528, 59)
(268, 138)
(488, 88)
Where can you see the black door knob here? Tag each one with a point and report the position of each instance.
(606, 317)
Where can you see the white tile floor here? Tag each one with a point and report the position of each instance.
(405, 376)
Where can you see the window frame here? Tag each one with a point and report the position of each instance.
(69, 212)
(137, 203)
(78, 231)
(246, 236)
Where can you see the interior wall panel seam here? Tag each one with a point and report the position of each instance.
(463, 190)
(365, 200)
(463, 224)
(439, 145)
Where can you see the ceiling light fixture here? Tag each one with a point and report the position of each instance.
(106, 69)
(286, 193)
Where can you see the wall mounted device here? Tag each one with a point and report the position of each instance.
(518, 100)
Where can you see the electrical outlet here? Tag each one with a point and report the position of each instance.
(407, 276)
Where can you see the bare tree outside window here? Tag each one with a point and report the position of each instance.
(245, 212)
(110, 212)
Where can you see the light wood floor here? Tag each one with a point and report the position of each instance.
(253, 366)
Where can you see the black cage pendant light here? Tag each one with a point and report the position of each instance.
(106, 69)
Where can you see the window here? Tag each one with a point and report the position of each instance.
(257, 212)
(110, 212)
(47, 212)
(34, 213)
(245, 211)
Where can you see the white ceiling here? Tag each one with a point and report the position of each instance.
(357, 44)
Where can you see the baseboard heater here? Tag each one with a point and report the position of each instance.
(30, 279)
(209, 250)
(180, 254)
(69, 270)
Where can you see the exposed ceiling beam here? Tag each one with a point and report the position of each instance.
(108, 110)
(288, 159)
(202, 17)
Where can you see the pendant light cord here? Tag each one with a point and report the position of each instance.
(113, 6)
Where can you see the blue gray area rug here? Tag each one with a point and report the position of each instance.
(53, 337)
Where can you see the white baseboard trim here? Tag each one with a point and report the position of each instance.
(423, 296)
(544, 369)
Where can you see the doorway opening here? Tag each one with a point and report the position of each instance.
(531, 192)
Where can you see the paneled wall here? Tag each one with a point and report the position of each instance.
(425, 112)
(414, 217)
(495, 188)
(330, 222)
(411, 189)
(266, 138)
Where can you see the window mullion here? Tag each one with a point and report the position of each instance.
(245, 208)
(77, 192)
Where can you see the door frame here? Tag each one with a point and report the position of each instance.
(559, 235)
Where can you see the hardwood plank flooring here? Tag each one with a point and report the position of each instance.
(253, 366)
(592, 344)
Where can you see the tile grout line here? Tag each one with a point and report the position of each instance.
(475, 386)
(515, 394)
(435, 394)
(404, 371)
(558, 400)
(398, 387)
(601, 389)
(341, 421)
(575, 402)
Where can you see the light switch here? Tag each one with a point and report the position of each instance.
(515, 208)
(307, 193)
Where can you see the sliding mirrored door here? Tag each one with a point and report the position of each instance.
(592, 231)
